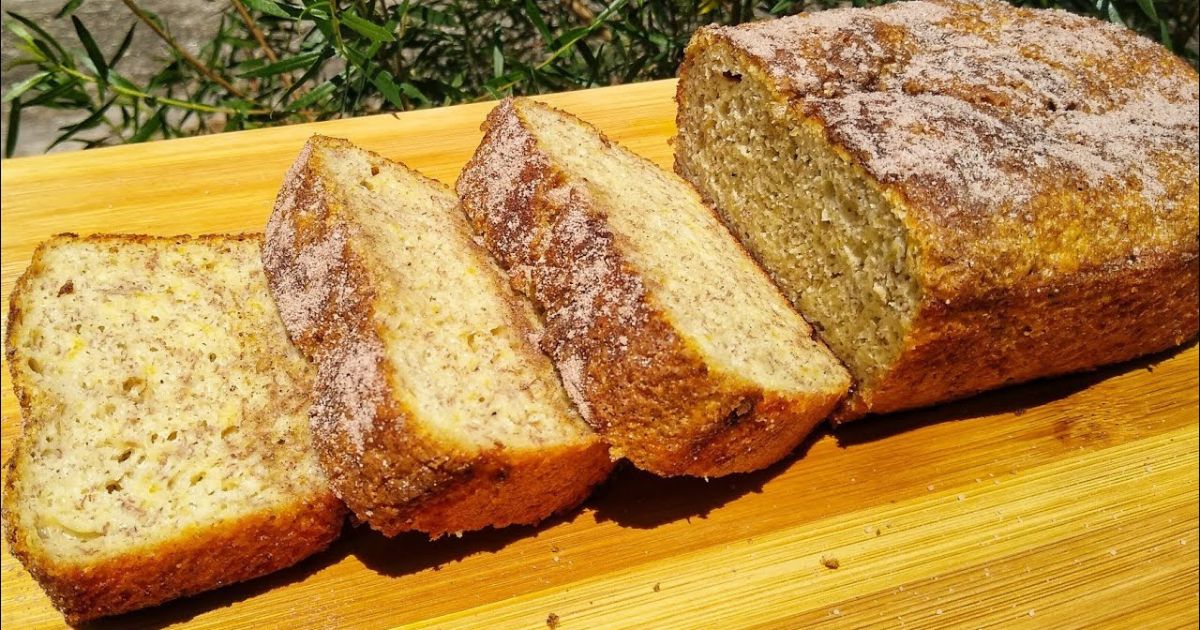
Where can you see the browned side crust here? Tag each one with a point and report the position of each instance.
(958, 347)
(641, 386)
(195, 561)
(994, 310)
(380, 459)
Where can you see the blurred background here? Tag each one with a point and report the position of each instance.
(86, 73)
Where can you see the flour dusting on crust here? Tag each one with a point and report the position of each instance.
(966, 102)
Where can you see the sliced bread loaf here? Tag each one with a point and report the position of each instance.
(166, 447)
(674, 345)
(435, 411)
(959, 194)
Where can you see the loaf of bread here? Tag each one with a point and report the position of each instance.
(166, 448)
(435, 411)
(673, 344)
(959, 194)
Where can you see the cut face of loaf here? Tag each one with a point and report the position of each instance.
(671, 341)
(165, 448)
(958, 195)
(434, 410)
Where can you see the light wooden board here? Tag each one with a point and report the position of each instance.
(1063, 503)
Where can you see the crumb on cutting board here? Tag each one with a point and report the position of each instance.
(552, 621)
(830, 562)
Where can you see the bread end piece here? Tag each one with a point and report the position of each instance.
(151, 562)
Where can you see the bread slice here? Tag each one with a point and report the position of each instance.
(959, 194)
(435, 411)
(672, 342)
(165, 448)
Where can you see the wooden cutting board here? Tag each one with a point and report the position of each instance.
(1063, 503)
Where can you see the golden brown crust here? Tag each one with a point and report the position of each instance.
(1054, 213)
(198, 560)
(384, 463)
(639, 384)
(1090, 319)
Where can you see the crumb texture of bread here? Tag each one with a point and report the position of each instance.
(166, 448)
(671, 341)
(435, 409)
(959, 194)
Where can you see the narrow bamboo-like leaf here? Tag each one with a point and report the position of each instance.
(68, 9)
(24, 86)
(151, 126)
(367, 28)
(535, 16)
(268, 7)
(41, 33)
(314, 95)
(117, 79)
(497, 61)
(413, 92)
(124, 47)
(86, 123)
(49, 96)
(14, 129)
(323, 55)
(283, 65)
(388, 88)
(90, 46)
(1148, 8)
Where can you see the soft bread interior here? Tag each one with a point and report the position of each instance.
(692, 267)
(456, 336)
(830, 239)
(164, 395)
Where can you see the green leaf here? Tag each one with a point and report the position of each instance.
(86, 123)
(41, 32)
(24, 86)
(367, 28)
(497, 61)
(1106, 7)
(118, 80)
(388, 88)
(412, 92)
(268, 7)
(124, 47)
(68, 9)
(1148, 8)
(314, 95)
(14, 128)
(535, 16)
(151, 126)
(92, 49)
(283, 65)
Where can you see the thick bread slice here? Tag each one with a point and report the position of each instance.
(959, 194)
(166, 449)
(672, 342)
(435, 412)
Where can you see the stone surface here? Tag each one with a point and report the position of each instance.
(191, 22)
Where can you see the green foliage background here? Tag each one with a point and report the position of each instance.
(274, 62)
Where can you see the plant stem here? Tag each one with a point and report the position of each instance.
(254, 31)
(188, 57)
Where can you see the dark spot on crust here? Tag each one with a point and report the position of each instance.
(732, 76)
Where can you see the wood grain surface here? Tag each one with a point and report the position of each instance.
(1069, 502)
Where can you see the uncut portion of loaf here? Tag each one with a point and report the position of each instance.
(958, 194)
(165, 448)
(671, 341)
(435, 411)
